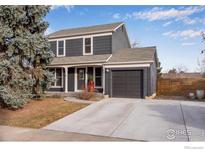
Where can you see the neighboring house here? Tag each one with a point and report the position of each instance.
(103, 54)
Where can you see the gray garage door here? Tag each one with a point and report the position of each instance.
(127, 83)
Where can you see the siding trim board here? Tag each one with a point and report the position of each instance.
(81, 36)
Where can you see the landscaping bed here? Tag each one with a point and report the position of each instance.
(39, 113)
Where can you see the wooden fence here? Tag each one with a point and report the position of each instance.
(179, 86)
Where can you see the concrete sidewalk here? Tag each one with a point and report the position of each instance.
(8, 133)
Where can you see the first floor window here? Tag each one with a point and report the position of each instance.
(98, 76)
(58, 77)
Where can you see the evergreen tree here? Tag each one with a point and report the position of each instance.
(24, 54)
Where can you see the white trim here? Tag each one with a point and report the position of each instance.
(91, 46)
(82, 36)
(101, 76)
(76, 65)
(66, 79)
(55, 86)
(109, 58)
(86, 77)
(131, 62)
(57, 50)
(126, 66)
(103, 79)
(118, 26)
(75, 83)
(94, 75)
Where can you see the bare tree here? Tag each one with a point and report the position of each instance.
(182, 69)
(172, 71)
(135, 44)
(201, 61)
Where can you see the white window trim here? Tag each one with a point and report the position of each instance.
(82, 36)
(91, 45)
(55, 86)
(94, 75)
(63, 49)
(77, 37)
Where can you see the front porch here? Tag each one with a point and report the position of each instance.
(77, 78)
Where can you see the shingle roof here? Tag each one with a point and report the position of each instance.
(80, 59)
(85, 30)
(133, 55)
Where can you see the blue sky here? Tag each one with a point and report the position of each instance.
(175, 30)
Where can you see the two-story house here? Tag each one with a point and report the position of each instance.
(103, 54)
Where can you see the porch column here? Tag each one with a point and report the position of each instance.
(86, 77)
(103, 76)
(66, 79)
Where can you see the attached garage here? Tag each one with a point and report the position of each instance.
(127, 83)
(131, 73)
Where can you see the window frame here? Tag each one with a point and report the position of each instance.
(91, 45)
(55, 76)
(98, 77)
(58, 48)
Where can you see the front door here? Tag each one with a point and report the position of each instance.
(81, 78)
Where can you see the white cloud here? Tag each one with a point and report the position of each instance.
(167, 24)
(191, 21)
(116, 16)
(167, 33)
(185, 34)
(181, 14)
(165, 14)
(48, 31)
(54, 7)
(67, 7)
(188, 43)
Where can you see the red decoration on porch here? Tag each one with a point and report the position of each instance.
(91, 86)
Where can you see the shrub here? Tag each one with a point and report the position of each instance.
(13, 98)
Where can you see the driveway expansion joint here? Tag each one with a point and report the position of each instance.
(123, 120)
(184, 121)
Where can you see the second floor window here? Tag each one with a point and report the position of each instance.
(88, 47)
(60, 48)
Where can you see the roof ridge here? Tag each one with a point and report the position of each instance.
(90, 26)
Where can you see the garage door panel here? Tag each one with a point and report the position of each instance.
(127, 83)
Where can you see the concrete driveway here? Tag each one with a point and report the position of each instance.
(138, 119)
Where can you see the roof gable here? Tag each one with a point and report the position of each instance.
(85, 30)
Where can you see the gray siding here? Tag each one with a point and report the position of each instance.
(53, 45)
(102, 45)
(153, 78)
(56, 90)
(108, 80)
(74, 47)
(120, 40)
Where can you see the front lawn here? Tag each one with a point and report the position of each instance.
(39, 113)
